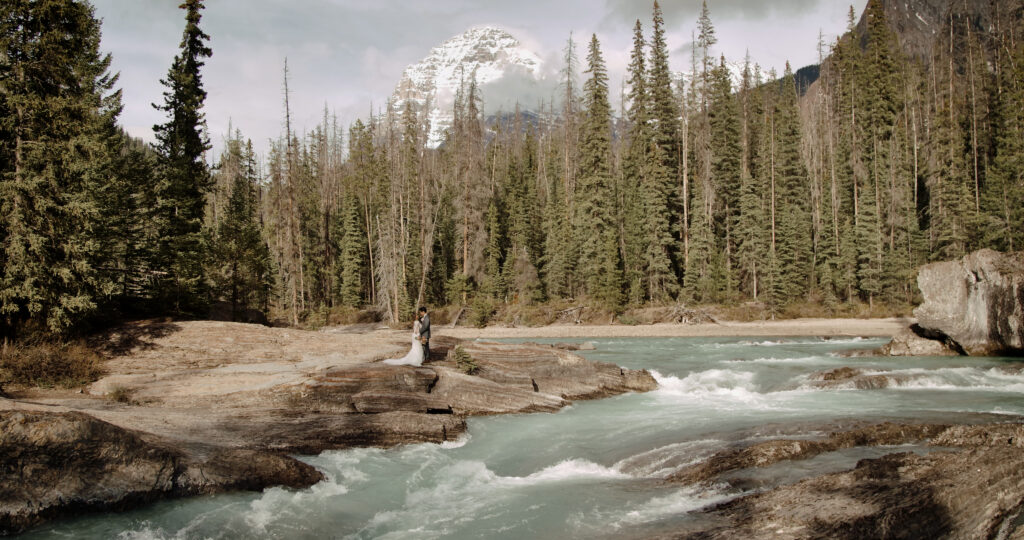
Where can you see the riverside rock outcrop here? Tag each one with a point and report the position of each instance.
(974, 305)
(972, 486)
(510, 378)
(978, 302)
(212, 406)
(60, 463)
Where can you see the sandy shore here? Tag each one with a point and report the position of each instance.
(781, 328)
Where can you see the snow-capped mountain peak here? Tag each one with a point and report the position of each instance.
(502, 66)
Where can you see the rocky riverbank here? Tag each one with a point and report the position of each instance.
(203, 407)
(970, 486)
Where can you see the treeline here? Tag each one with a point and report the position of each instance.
(94, 224)
(718, 188)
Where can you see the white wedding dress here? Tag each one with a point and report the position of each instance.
(415, 355)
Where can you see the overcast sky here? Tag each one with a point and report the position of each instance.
(347, 55)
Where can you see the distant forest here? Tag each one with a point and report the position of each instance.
(713, 189)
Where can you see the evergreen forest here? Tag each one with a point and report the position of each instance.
(725, 186)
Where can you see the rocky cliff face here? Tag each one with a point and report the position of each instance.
(977, 302)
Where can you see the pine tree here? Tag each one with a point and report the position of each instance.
(557, 259)
(703, 270)
(751, 244)
(792, 212)
(241, 259)
(494, 282)
(1003, 203)
(58, 144)
(183, 175)
(663, 108)
(594, 227)
(724, 124)
(646, 214)
(661, 282)
(519, 272)
(352, 251)
(633, 192)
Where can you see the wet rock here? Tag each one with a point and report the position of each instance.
(311, 434)
(974, 493)
(986, 435)
(977, 302)
(837, 374)
(770, 452)
(585, 346)
(55, 464)
(909, 342)
(552, 371)
(847, 377)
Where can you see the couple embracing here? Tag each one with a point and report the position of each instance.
(420, 342)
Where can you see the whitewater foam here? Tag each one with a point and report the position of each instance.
(661, 461)
(717, 384)
(686, 500)
(457, 443)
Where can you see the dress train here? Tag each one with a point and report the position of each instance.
(415, 355)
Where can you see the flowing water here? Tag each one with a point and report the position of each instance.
(593, 470)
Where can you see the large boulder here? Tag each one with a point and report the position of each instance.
(55, 464)
(911, 342)
(977, 302)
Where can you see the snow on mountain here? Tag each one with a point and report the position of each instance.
(506, 73)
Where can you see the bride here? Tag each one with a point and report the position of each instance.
(415, 355)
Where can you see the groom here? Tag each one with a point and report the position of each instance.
(425, 332)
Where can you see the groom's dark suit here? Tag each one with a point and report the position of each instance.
(425, 335)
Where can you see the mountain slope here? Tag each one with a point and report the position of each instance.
(505, 71)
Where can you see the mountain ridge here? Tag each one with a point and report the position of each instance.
(491, 55)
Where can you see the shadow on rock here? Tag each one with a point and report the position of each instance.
(135, 336)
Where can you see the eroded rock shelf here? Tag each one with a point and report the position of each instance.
(211, 409)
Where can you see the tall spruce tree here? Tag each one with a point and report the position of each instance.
(663, 108)
(664, 112)
(632, 188)
(792, 212)
(599, 266)
(724, 124)
(353, 253)
(58, 144)
(241, 260)
(751, 244)
(1004, 201)
(183, 176)
(703, 263)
